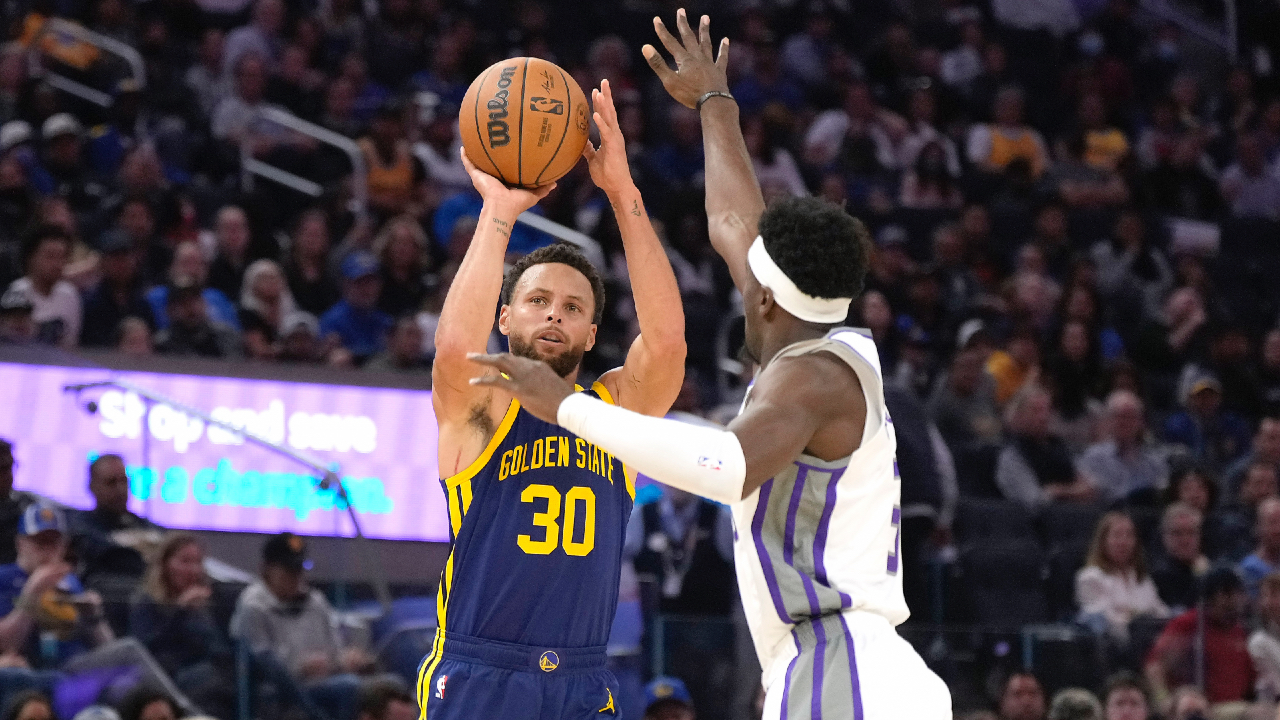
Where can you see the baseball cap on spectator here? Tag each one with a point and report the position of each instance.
(359, 265)
(666, 689)
(114, 241)
(16, 300)
(60, 124)
(1201, 382)
(97, 712)
(42, 517)
(299, 320)
(14, 133)
(286, 550)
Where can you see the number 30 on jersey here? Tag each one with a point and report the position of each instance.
(553, 535)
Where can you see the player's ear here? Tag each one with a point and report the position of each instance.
(767, 303)
(591, 337)
(504, 320)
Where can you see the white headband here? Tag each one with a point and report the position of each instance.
(824, 311)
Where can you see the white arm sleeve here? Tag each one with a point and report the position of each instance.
(705, 461)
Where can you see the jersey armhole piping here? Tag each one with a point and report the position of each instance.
(498, 436)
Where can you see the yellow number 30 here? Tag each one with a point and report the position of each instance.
(551, 537)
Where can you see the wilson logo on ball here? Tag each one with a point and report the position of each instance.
(499, 130)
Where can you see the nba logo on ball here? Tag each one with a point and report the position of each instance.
(549, 661)
(524, 121)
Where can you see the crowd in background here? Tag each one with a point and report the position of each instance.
(1075, 207)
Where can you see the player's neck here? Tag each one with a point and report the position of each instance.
(789, 334)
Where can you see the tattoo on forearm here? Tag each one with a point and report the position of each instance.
(635, 208)
(504, 227)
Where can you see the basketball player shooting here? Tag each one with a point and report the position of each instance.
(808, 467)
(538, 515)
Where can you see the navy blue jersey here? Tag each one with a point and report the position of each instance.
(537, 523)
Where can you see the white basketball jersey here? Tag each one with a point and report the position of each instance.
(823, 537)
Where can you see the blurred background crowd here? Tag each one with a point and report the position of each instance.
(1075, 207)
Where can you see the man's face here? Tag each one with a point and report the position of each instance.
(189, 262)
(40, 549)
(232, 232)
(1127, 423)
(49, 260)
(550, 316)
(110, 486)
(1023, 699)
(406, 343)
(1259, 484)
(1226, 608)
(1182, 538)
(362, 293)
(285, 583)
(1267, 442)
(137, 222)
(1127, 704)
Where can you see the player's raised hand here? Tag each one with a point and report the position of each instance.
(697, 71)
(607, 163)
(538, 388)
(506, 199)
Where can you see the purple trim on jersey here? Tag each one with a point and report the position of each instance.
(874, 365)
(793, 508)
(766, 565)
(819, 662)
(820, 536)
(853, 671)
(786, 685)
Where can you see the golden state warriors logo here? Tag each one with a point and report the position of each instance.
(549, 661)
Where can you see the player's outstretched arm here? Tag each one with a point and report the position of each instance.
(734, 200)
(811, 403)
(467, 316)
(650, 379)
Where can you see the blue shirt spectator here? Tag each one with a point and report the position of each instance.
(47, 615)
(355, 319)
(1214, 437)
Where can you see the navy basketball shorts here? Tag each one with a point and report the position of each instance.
(477, 679)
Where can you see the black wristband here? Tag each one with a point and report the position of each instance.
(707, 96)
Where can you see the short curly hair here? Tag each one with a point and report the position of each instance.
(822, 248)
(565, 254)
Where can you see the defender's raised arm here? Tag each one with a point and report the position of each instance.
(734, 200)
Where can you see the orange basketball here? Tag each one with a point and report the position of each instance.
(524, 121)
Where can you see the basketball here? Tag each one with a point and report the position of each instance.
(524, 121)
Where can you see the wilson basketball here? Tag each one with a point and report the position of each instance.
(524, 121)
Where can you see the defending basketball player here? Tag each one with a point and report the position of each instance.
(809, 465)
(538, 515)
